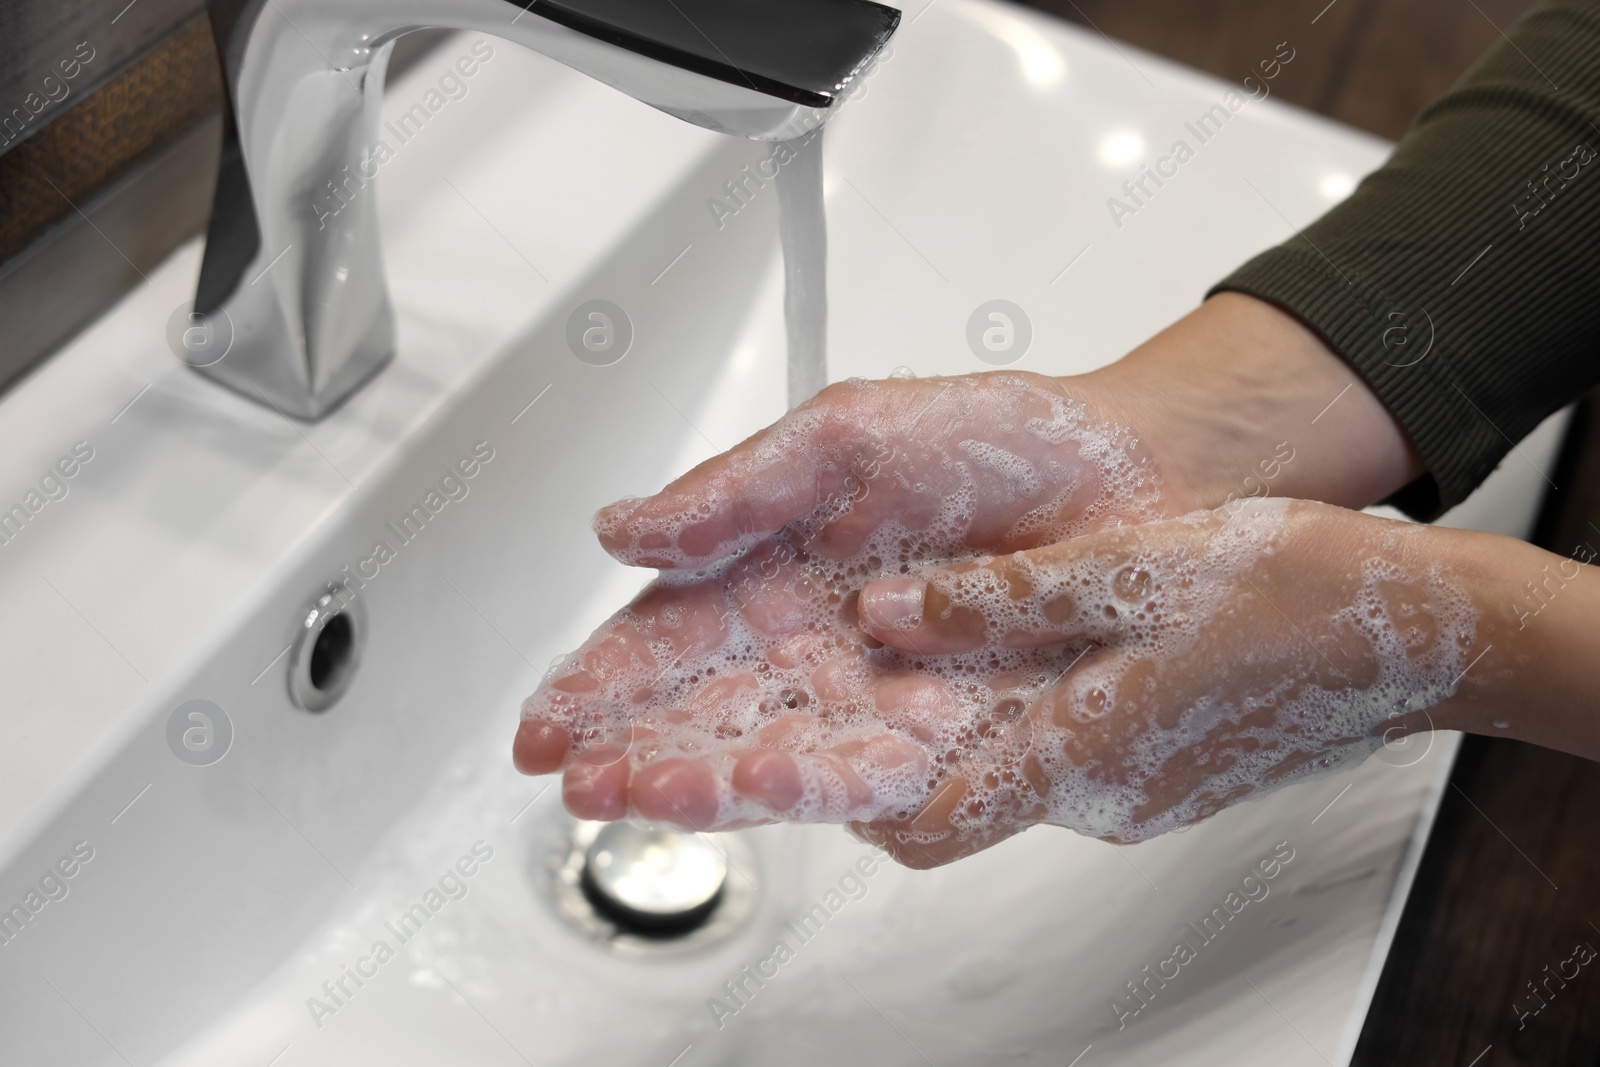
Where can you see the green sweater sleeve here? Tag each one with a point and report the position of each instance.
(1461, 280)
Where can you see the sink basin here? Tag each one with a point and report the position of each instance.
(215, 890)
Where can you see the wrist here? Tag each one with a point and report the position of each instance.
(1240, 399)
(1533, 675)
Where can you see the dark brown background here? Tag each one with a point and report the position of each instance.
(106, 184)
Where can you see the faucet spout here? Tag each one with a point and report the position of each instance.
(298, 289)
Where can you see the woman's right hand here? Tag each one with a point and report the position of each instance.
(1204, 412)
(998, 461)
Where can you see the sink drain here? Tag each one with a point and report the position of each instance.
(642, 890)
(656, 883)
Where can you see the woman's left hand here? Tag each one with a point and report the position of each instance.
(1223, 655)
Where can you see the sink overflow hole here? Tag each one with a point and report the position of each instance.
(330, 656)
(328, 650)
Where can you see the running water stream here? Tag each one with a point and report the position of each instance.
(803, 233)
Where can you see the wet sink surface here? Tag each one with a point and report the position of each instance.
(226, 904)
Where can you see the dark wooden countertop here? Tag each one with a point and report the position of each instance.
(1503, 907)
(1492, 957)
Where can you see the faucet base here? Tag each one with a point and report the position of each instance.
(255, 368)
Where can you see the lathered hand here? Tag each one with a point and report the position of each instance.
(740, 686)
(1218, 656)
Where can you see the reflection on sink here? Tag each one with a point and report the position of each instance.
(372, 883)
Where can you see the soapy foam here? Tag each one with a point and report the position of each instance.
(1087, 473)
(1163, 608)
(786, 653)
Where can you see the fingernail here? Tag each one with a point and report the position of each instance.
(894, 603)
(611, 522)
(620, 508)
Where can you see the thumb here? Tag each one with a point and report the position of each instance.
(1086, 589)
(810, 458)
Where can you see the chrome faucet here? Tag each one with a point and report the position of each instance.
(301, 289)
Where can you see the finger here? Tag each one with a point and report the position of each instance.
(676, 792)
(1086, 589)
(730, 501)
(769, 776)
(589, 702)
(928, 838)
(597, 792)
(921, 856)
(856, 779)
(540, 746)
(913, 615)
(572, 713)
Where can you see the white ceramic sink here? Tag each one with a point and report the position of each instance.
(218, 899)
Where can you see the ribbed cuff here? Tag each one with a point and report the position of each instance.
(1458, 280)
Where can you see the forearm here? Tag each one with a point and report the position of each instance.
(1455, 279)
(1365, 346)
(1239, 399)
(1535, 674)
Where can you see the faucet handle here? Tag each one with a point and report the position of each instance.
(803, 51)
